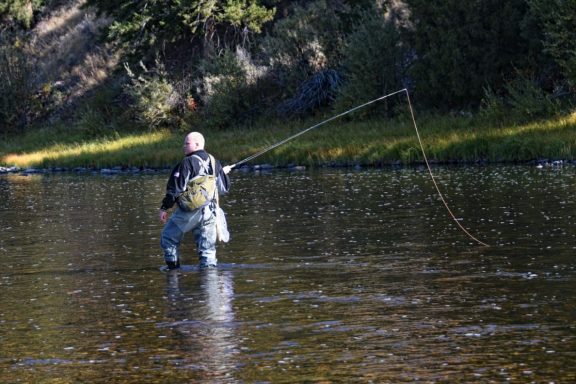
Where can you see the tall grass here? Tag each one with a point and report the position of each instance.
(377, 142)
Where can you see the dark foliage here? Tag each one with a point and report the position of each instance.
(320, 90)
(462, 47)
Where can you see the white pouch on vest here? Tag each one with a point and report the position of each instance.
(222, 233)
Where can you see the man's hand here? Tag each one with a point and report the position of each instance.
(227, 169)
(163, 216)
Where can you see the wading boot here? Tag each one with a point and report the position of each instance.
(173, 264)
(206, 263)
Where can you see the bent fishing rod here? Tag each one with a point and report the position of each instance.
(405, 90)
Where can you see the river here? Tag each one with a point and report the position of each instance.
(331, 275)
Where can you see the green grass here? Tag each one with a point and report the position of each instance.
(344, 142)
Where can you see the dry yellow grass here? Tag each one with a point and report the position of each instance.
(59, 153)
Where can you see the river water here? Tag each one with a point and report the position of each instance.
(330, 276)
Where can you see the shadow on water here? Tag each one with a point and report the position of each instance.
(330, 276)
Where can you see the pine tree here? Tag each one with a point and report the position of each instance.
(462, 47)
(558, 19)
(151, 25)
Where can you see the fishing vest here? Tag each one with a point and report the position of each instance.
(201, 189)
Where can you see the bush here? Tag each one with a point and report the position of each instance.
(318, 91)
(463, 46)
(230, 89)
(558, 19)
(303, 44)
(16, 97)
(150, 26)
(522, 100)
(155, 101)
(374, 64)
(20, 11)
(528, 99)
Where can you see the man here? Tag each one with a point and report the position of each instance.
(201, 220)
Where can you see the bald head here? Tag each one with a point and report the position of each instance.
(194, 141)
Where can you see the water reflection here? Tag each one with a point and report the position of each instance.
(205, 322)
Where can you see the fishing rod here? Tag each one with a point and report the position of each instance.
(405, 90)
(258, 154)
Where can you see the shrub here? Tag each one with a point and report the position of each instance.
(303, 44)
(463, 46)
(528, 99)
(155, 101)
(314, 93)
(152, 25)
(230, 89)
(558, 19)
(521, 100)
(493, 105)
(20, 11)
(374, 63)
(16, 97)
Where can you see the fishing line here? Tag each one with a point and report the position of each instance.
(432, 176)
(276, 145)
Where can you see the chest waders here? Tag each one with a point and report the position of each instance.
(200, 192)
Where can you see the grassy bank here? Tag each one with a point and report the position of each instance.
(445, 139)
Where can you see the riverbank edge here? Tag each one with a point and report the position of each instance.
(541, 163)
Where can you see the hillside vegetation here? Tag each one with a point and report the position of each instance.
(80, 73)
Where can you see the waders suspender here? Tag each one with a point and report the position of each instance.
(213, 164)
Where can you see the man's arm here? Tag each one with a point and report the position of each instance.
(223, 180)
(175, 186)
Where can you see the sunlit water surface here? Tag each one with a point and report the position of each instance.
(330, 276)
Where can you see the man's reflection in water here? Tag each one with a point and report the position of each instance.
(205, 317)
